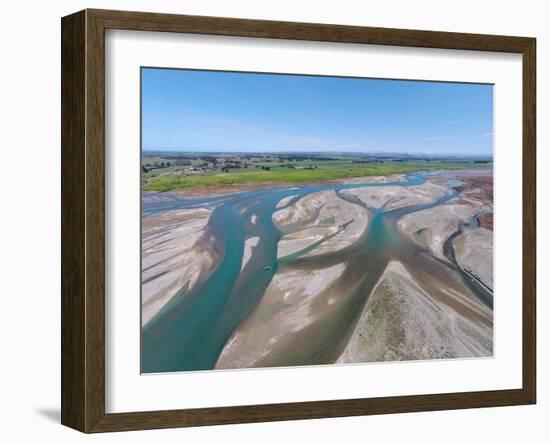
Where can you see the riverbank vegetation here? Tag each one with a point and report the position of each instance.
(220, 171)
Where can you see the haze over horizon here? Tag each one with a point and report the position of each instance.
(222, 112)
(312, 152)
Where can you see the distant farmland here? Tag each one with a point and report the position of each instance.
(163, 173)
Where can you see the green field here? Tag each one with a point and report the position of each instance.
(171, 178)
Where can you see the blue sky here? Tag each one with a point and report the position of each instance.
(185, 110)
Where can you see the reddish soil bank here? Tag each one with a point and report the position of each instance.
(484, 182)
(486, 221)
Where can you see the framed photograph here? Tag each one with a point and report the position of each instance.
(271, 220)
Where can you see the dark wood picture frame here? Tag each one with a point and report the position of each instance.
(83, 220)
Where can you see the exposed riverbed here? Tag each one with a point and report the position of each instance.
(290, 271)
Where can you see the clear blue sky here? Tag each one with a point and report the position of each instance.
(186, 110)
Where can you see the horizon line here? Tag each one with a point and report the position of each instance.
(340, 152)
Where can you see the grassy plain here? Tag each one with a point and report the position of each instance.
(294, 172)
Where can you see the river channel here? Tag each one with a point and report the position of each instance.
(190, 332)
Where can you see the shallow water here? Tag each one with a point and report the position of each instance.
(190, 332)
